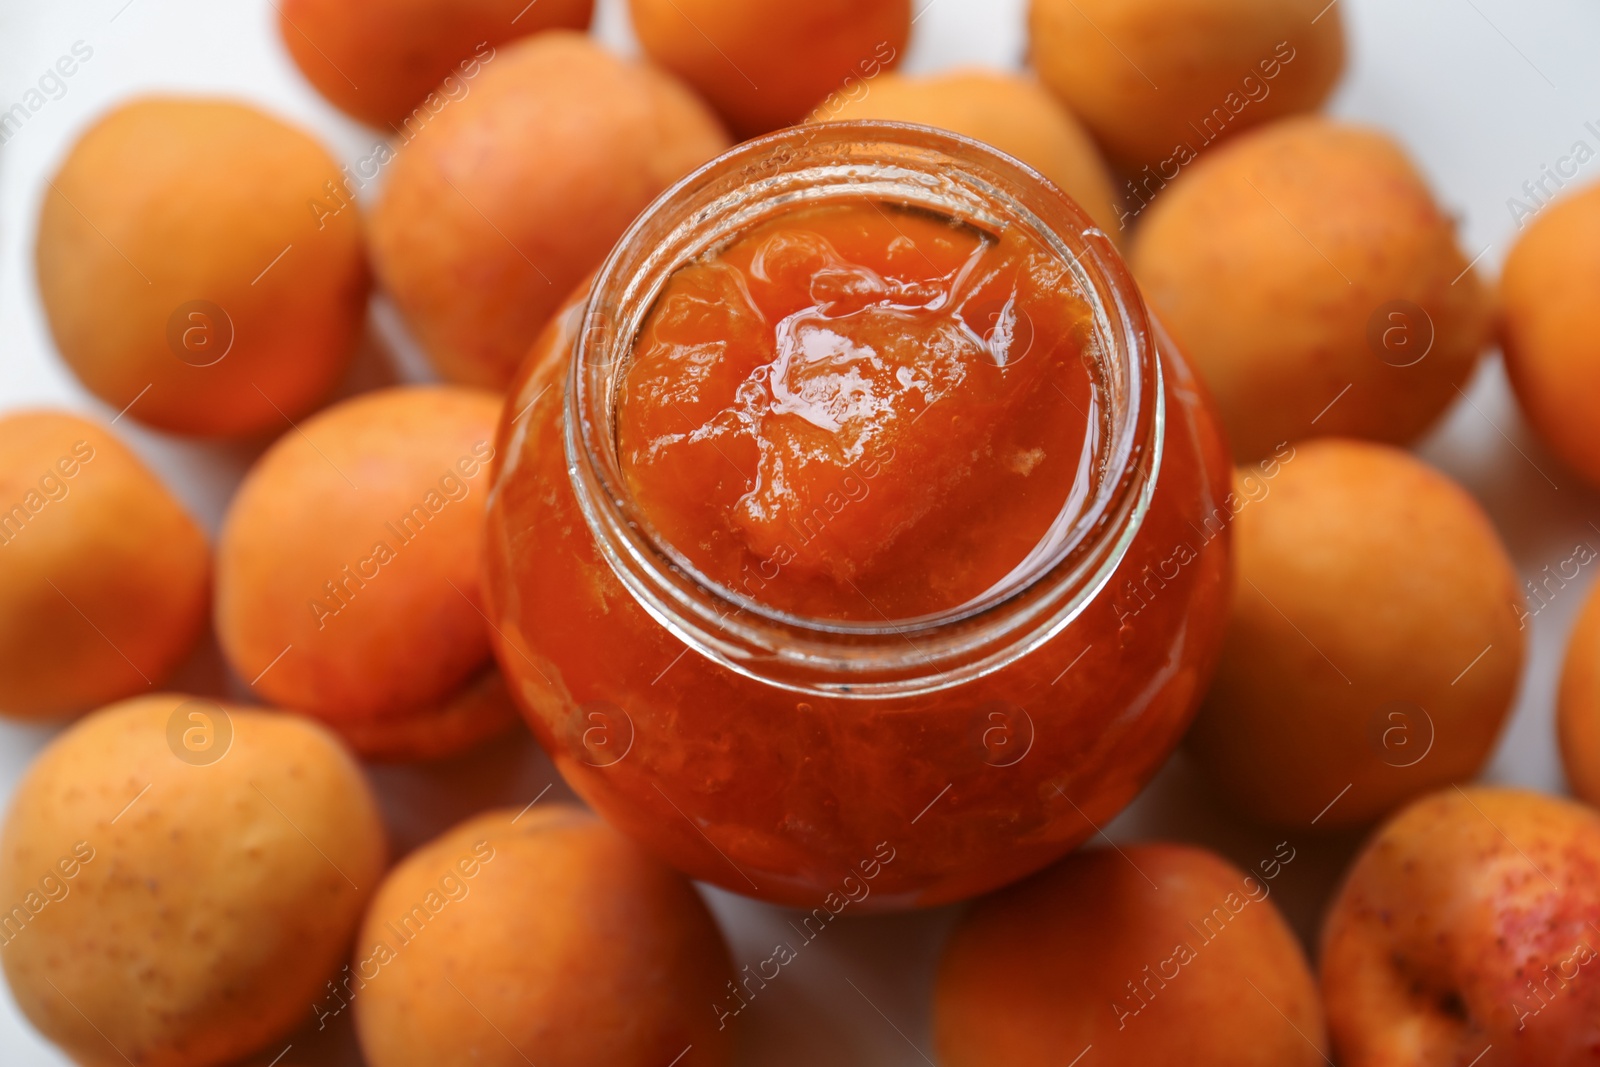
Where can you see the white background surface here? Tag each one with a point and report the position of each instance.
(1484, 93)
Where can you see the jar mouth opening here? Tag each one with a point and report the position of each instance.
(892, 163)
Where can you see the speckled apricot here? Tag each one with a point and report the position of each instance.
(540, 936)
(201, 266)
(104, 578)
(1469, 930)
(380, 59)
(180, 879)
(347, 572)
(506, 199)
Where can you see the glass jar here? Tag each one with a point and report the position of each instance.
(881, 764)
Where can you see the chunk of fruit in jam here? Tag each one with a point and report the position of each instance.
(858, 411)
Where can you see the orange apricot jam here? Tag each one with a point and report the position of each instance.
(856, 539)
(857, 411)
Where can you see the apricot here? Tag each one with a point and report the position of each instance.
(201, 266)
(538, 937)
(1578, 701)
(1550, 328)
(1308, 273)
(767, 63)
(104, 578)
(180, 879)
(1375, 642)
(1156, 953)
(1157, 81)
(347, 572)
(1468, 931)
(378, 59)
(1010, 112)
(508, 198)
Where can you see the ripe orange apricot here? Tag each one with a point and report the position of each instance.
(104, 578)
(1467, 932)
(1375, 642)
(766, 63)
(1008, 111)
(1316, 284)
(1550, 325)
(502, 203)
(1160, 80)
(1155, 953)
(180, 879)
(1578, 703)
(378, 59)
(347, 572)
(537, 937)
(198, 269)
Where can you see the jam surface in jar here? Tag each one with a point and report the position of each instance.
(858, 411)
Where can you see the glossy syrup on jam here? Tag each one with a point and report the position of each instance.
(862, 412)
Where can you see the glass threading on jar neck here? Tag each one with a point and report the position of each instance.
(891, 163)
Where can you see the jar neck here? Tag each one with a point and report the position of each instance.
(917, 167)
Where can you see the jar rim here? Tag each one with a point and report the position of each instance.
(920, 166)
